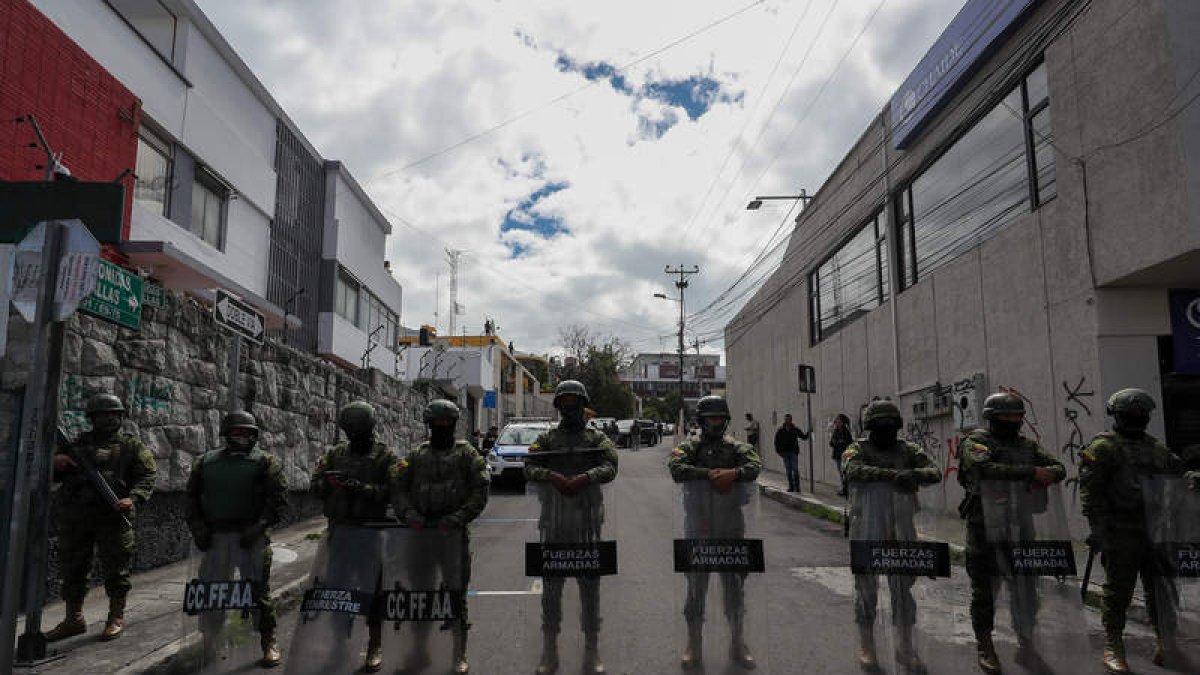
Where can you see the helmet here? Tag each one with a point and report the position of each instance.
(1003, 403)
(571, 387)
(712, 406)
(357, 418)
(440, 409)
(99, 403)
(879, 411)
(238, 419)
(1130, 402)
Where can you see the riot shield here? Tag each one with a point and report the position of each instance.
(423, 598)
(717, 552)
(222, 616)
(1019, 558)
(337, 613)
(574, 558)
(1171, 573)
(894, 541)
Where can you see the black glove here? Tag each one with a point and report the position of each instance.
(203, 540)
(1096, 541)
(251, 534)
(906, 480)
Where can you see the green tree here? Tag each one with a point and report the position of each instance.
(664, 409)
(596, 361)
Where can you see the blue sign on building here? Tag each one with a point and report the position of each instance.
(489, 398)
(965, 42)
(1185, 330)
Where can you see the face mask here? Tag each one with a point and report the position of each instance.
(572, 418)
(713, 428)
(106, 425)
(441, 436)
(1004, 428)
(1129, 424)
(242, 444)
(883, 436)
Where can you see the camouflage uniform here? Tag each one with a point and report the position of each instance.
(689, 464)
(863, 462)
(231, 492)
(85, 521)
(983, 456)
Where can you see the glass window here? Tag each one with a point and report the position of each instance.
(208, 208)
(152, 20)
(851, 282)
(1040, 135)
(153, 174)
(346, 297)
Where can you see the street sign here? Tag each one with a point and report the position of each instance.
(76, 270)
(489, 398)
(154, 296)
(117, 298)
(808, 379)
(239, 317)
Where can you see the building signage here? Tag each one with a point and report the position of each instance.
(668, 371)
(706, 372)
(1185, 330)
(239, 317)
(489, 398)
(968, 38)
(117, 298)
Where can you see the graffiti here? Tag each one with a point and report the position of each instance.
(141, 394)
(918, 432)
(1074, 444)
(148, 395)
(1075, 395)
(952, 446)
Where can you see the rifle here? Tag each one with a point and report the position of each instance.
(1087, 573)
(89, 471)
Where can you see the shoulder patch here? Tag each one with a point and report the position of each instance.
(850, 453)
(678, 452)
(1087, 455)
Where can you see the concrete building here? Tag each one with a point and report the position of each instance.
(656, 375)
(228, 192)
(1022, 215)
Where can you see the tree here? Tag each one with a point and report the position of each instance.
(596, 361)
(665, 409)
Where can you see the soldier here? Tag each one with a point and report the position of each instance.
(1112, 468)
(442, 484)
(353, 479)
(574, 460)
(86, 520)
(720, 460)
(241, 489)
(883, 457)
(1000, 453)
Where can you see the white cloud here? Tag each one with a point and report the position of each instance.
(379, 85)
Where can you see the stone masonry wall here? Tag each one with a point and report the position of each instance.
(173, 376)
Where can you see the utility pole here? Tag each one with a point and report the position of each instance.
(682, 284)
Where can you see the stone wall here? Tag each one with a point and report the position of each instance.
(173, 375)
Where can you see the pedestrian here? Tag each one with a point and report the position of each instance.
(787, 446)
(477, 441)
(715, 462)
(1001, 453)
(752, 430)
(883, 457)
(353, 479)
(1113, 468)
(840, 438)
(234, 495)
(442, 484)
(489, 440)
(635, 435)
(88, 522)
(568, 464)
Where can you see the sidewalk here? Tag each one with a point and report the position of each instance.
(825, 503)
(154, 618)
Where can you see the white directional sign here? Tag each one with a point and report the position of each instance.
(239, 317)
(77, 270)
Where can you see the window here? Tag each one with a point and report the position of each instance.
(152, 187)
(346, 297)
(152, 21)
(208, 208)
(851, 282)
(1039, 136)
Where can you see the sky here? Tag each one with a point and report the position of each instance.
(574, 150)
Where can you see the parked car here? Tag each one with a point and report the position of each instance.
(506, 459)
(650, 432)
(622, 438)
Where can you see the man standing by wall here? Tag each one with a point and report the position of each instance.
(787, 446)
(752, 430)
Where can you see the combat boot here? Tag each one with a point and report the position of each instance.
(906, 652)
(988, 661)
(1114, 652)
(270, 650)
(1165, 649)
(460, 652)
(739, 653)
(866, 648)
(116, 619)
(549, 662)
(1028, 656)
(72, 624)
(694, 653)
(374, 660)
(592, 665)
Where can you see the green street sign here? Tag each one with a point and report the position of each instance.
(117, 298)
(154, 296)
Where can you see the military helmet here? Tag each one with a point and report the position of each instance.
(1130, 402)
(238, 419)
(712, 406)
(440, 409)
(357, 417)
(881, 410)
(1003, 403)
(99, 403)
(571, 387)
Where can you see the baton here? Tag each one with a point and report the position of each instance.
(1087, 574)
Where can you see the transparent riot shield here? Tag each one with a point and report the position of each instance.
(222, 616)
(337, 614)
(1172, 570)
(574, 618)
(721, 604)
(1020, 558)
(423, 600)
(912, 625)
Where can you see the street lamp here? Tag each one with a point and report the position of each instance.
(758, 201)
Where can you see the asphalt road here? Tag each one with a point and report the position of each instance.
(799, 613)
